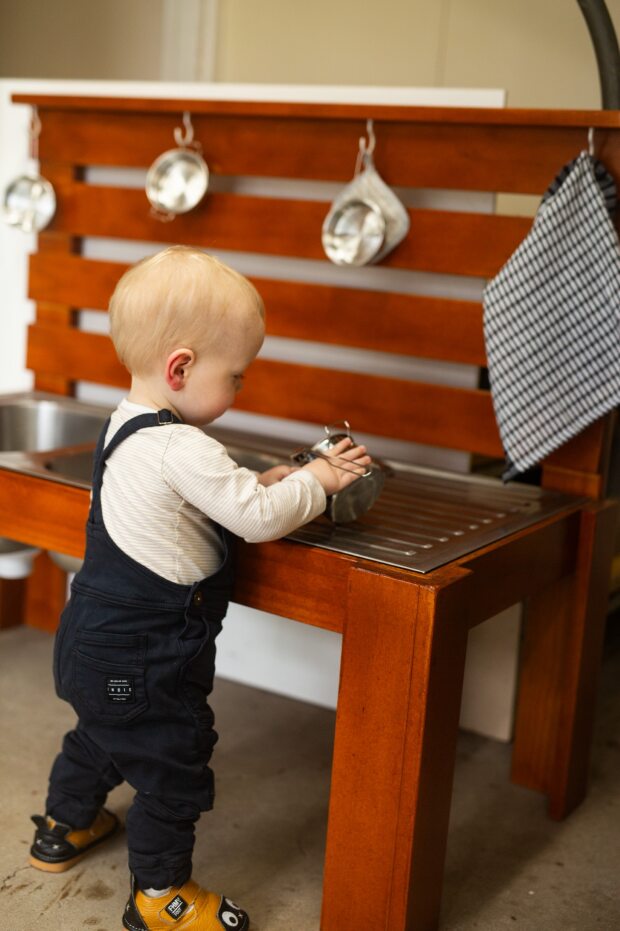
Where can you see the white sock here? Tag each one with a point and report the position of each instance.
(155, 893)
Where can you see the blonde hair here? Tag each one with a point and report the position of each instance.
(178, 297)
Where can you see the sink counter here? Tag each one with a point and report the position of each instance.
(423, 518)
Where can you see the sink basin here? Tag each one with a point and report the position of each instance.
(38, 429)
(31, 423)
(54, 438)
(76, 465)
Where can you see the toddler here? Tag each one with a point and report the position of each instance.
(135, 650)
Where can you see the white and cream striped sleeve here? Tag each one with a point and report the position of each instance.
(199, 469)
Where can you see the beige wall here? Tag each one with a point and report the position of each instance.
(116, 39)
(538, 50)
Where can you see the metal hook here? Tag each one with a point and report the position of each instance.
(591, 142)
(366, 148)
(369, 147)
(184, 136)
(34, 131)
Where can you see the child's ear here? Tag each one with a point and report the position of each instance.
(177, 364)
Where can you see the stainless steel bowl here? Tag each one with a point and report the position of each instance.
(177, 181)
(29, 203)
(353, 234)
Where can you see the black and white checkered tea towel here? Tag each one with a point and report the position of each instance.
(552, 320)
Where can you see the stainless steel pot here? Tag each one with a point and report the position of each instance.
(366, 220)
(354, 233)
(358, 497)
(178, 179)
(29, 203)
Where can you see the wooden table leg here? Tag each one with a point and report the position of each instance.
(560, 661)
(12, 595)
(396, 728)
(46, 594)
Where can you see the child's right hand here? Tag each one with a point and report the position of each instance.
(334, 478)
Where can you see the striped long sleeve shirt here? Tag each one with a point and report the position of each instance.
(163, 489)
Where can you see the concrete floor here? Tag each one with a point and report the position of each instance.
(509, 867)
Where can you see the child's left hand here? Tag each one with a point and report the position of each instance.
(276, 474)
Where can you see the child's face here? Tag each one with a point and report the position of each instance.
(214, 378)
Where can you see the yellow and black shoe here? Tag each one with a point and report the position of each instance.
(186, 906)
(57, 847)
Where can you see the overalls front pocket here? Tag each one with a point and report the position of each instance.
(109, 677)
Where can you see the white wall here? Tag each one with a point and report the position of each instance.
(538, 50)
(83, 39)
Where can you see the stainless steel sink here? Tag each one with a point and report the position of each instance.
(41, 434)
(54, 438)
(75, 467)
(30, 423)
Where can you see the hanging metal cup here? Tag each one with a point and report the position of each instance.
(367, 220)
(178, 179)
(29, 200)
(358, 497)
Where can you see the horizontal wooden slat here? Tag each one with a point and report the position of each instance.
(444, 242)
(457, 418)
(426, 327)
(77, 355)
(73, 280)
(432, 414)
(465, 157)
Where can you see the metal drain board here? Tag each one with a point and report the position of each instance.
(425, 518)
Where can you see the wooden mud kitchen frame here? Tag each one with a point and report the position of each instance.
(404, 631)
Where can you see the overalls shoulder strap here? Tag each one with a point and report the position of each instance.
(102, 452)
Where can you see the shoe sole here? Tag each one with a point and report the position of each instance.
(61, 866)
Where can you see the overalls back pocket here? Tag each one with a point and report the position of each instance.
(108, 677)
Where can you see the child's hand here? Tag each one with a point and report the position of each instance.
(276, 474)
(335, 478)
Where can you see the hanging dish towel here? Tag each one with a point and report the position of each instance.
(552, 319)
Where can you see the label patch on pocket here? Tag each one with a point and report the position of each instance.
(120, 689)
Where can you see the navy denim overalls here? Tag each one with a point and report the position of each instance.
(135, 655)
